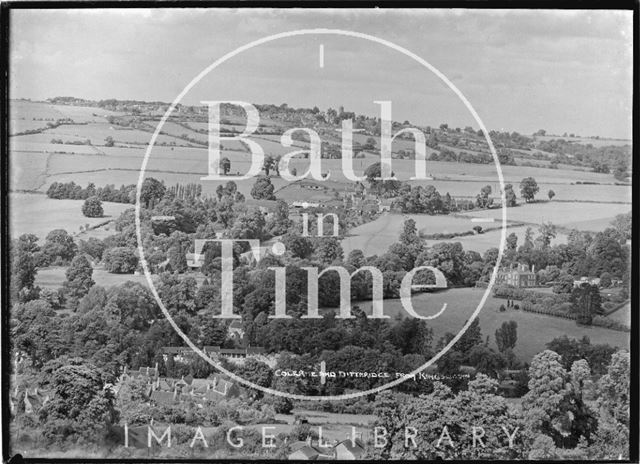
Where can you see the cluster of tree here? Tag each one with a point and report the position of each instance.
(511, 140)
(419, 199)
(555, 423)
(604, 159)
(72, 191)
(445, 154)
(183, 191)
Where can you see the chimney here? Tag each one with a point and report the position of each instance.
(156, 367)
(308, 440)
(147, 370)
(533, 268)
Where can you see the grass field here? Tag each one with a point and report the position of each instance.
(491, 239)
(534, 330)
(98, 132)
(27, 170)
(36, 214)
(586, 140)
(622, 315)
(375, 237)
(20, 144)
(53, 277)
(570, 215)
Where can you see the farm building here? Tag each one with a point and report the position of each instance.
(306, 451)
(195, 260)
(519, 277)
(179, 353)
(236, 331)
(34, 400)
(234, 353)
(586, 280)
(266, 207)
(304, 205)
(349, 450)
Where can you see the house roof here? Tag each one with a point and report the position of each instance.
(269, 204)
(174, 349)
(147, 371)
(200, 385)
(213, 395)
(163, 397)
(355, 447)
(165, 384)
(308, 451)
(37, 397)
(255, 350)
(236, 324)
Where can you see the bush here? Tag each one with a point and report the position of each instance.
(602, 321)
(282, 405)
(92, 207)
(120, 260)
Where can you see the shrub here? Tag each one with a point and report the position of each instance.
(120, 260)
(602, 321)
(92, 207)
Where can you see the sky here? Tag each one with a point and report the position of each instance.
(524, 70)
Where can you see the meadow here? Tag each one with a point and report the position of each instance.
(27, 170)
(534, 330)
(491, 239)
(375, 237)
(586, 140)
(37, 214)
(567, 215)
(54, 276)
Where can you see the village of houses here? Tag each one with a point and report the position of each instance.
(200, 392)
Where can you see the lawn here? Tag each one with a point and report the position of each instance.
(534, 330)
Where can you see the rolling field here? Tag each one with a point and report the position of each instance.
(19, 144)
(534, 330)
(585, 140)
(27, 170)
(570, 215)
(54, 276)
(23, 113)
(98, 132)
(491, 239)
(39, 215)
(374, 238)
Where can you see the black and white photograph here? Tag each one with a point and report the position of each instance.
(295, 233)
